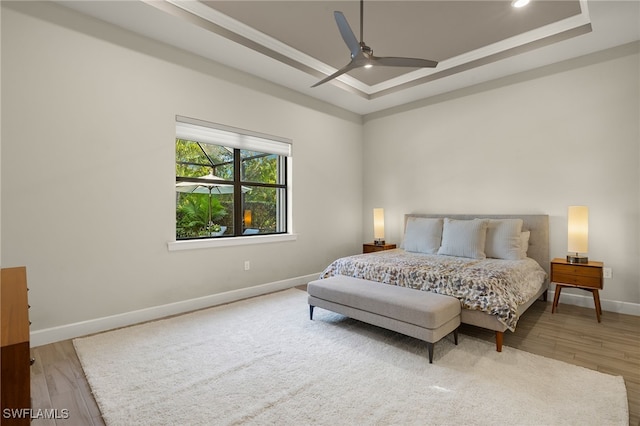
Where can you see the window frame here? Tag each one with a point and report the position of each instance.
(205, 132)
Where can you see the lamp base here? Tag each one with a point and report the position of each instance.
(378, 242)
(576, 258)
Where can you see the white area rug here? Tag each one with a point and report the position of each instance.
(262, 361)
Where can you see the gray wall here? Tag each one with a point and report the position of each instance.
(538, 142)
(88, 174)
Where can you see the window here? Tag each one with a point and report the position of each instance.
(229, 182)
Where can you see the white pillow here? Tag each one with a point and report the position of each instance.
(503, 239)
(423, 235)
(524, 243)
(464, 238)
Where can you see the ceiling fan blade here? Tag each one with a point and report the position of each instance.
(351, 65)
(362, 55)
(404, 62)
(347, 34)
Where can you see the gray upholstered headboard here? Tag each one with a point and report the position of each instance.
(538, 224)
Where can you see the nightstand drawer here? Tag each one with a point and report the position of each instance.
(371, 248)
(580, 280)
(585, 271)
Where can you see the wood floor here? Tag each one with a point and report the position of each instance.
(572, 334)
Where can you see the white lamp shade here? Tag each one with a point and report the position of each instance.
(378, 224)
(578, 229)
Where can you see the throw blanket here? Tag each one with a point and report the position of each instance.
(494, 286)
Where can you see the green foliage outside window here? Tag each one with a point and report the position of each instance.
(204, 215)
(192, 216)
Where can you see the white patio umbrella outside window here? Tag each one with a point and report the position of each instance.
(207, 187)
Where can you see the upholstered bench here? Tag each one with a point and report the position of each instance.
(421, 314)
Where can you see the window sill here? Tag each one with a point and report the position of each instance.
(229, 241)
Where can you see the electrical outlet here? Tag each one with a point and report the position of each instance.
(606, 272)
(247, 265)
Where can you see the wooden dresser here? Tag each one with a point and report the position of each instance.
(15, 386)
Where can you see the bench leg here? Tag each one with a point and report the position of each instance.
(430, 347)
(311, 312)
(455, 336)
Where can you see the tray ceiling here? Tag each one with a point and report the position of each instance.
(297, 43)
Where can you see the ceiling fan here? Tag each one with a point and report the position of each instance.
(362, 55)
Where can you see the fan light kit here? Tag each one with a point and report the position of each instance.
(362, 55)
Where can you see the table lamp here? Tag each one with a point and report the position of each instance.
(378, 226)
(578, 234)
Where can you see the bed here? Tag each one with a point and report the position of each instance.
(475, 258)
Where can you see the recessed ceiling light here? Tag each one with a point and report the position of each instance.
(368, 66)
(519, 3)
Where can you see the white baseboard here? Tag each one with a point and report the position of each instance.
(586, 301)
(83, 328)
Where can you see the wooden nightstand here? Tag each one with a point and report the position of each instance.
(371, 247)
(585, 276)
